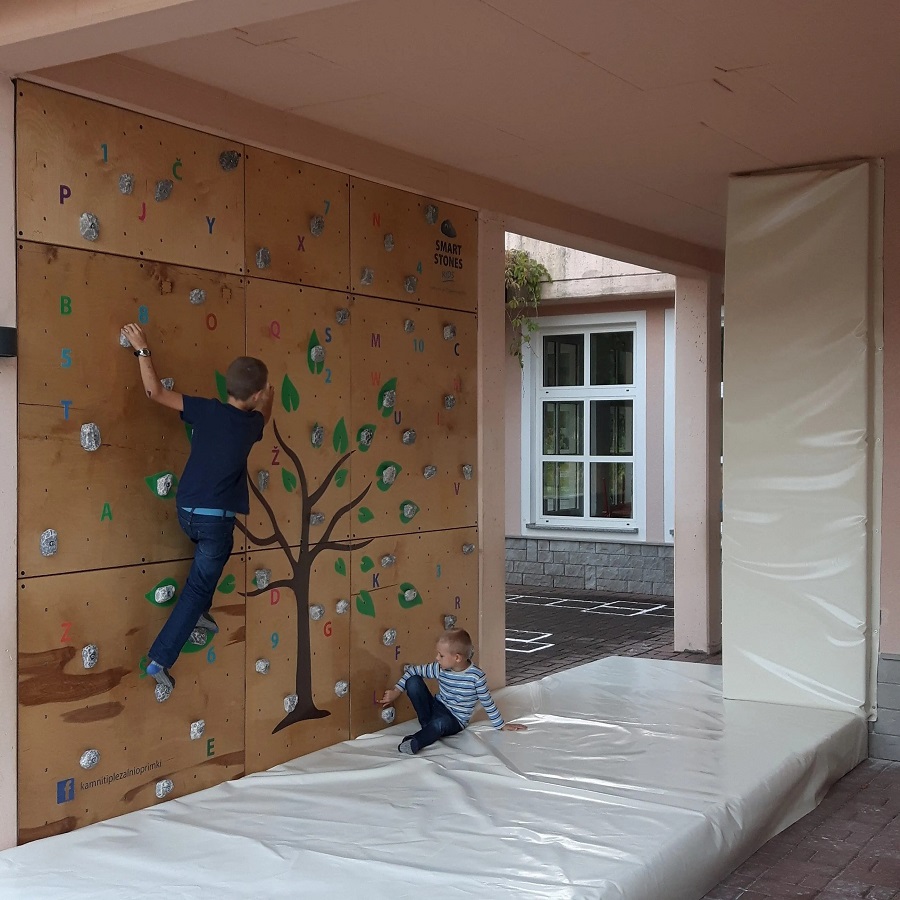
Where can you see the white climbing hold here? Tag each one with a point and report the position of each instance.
(410, 594)
(448, 275)
(429, 471)
(89, 226)
(449, 401)
(90, 437)
(410, 283)
(449, 622)
(409, 510)
(262, 479)
(49, 542)
(467, 549)
(229, 159)
(167, 383)
(367, 276)
(388, 242)
(389, 399)
(198, 637)
(164, 788)
(389, 638)
(317, 437)
(409, 326)
(408, 436)
(126, 183)
(388, 714)
(342, 607)
(467, 471)
(123, 340)
(163, 485)
(262, 666)
(263, 577)
(197, 729)
(316, 611)
(290, 703)
(342, 316)
(89, 759)
(90, 656)
(163, 190)
(263, 258)
(388, 560)
(341, 688)
(316, 225)
(365, 437)
(162, 693)
(164, 593)
(389, 475)
(431, 214)
(316, 518)
(317, 354)
(197, 296)
(449, 332)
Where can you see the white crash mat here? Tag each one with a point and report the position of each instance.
(634, 780)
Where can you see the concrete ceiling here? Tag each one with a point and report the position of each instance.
(634, 109)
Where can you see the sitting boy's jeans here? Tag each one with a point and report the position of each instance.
(436, 720)
(213, 538)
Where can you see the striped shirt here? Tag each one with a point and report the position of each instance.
(458, 691)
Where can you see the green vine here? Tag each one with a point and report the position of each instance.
(525, 278)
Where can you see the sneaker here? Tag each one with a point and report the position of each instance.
(160, 674)
(407, 747)
(208, 622)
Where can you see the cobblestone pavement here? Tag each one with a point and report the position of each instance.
(847, 848)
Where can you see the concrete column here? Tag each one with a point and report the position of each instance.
(491, 638)
(8, 475)
(698, 473)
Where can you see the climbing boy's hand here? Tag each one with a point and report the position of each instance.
(514, 726)
(390, 696)
(135, 335)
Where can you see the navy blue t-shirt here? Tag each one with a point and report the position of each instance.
(216, 472)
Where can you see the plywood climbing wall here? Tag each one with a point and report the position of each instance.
(362, 535)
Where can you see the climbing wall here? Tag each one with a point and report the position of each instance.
(361, 542)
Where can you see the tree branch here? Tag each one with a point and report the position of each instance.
(341, 513)
(320, 490)
(292, 456)
(337, 546)
(278, 534)
(261, 542)
(285, 583)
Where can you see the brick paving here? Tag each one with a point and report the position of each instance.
(847, 848)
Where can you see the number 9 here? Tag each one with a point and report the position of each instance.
(274, 639)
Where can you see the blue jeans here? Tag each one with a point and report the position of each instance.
(436, 720)
(213, 539)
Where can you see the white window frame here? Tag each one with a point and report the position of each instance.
(534, 523)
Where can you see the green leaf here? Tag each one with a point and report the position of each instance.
(221, 386)
(341, 477)
(380, 471)
(189, 431)
(366, 563)
(340, 566)
(365, 604)
(365, 515)
(151, 594)
(315, 368)
(364, 448)
(340, 439)
(401, 599)
(288, 479)
(227, 585)
(389, 385)
(290, 396)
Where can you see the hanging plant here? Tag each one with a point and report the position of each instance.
(525, 278)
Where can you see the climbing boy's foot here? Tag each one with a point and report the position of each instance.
(161, 675)
(406, 746)
(208, 622)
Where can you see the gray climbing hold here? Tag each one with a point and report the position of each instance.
(342, 315)
(389, 475)
(317, 354)
(197, 296)
(90, 437)
(449, 401)
(431, 214)
(448, 275)
(89, 656)
(368, 276)
(410, 283)
(162, 692)
(316, 225)
(467, 549)
(164, 594)
(429, 471)
(262, 479)
(89, 759)
(409, 510)
(123, 340)
(49, 542)
(163, 190)
(163, 485)
(167, 383)
(449, 332)
(89, 226)
(164, 788)
(388, 560)
(365, 437)
(389, 638)
(389, 399)
(409, 326)
(316, 611)
(317, 438)
(408, 436)
(229, 159)
(263, 577)
(263, 258)
(198, 637)
(262, 667)
(410, 595)
(388, 714)
(290, 703)
(467, 471)
(449, 622)
(316, 518)
(197, 729)
(126, 183)
(342, 607)
(448, 229)
(341, 688)
(388, 242)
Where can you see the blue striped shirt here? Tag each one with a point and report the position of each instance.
(458, 691)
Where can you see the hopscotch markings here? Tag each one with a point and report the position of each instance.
(517, 642)
(624, 608)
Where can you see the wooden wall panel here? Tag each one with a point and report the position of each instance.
(71, 155)
(65, 709)
(426, 368)
(281, 631)
(441, 257)
(283, 196)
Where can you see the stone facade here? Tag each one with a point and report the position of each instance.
(884, 732)
(590, 565)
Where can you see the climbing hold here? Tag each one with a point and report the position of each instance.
(388, 242)
(167, 383)
(365, 437)
(429, 471)
(389, 398)
(448, 229)
(126, 183)
(342, 315)
(262, 667)
(409, 510)
(389, 475)
(317, 354)
(164, 593)
(316, 611)
(409, 326)
(342, 606)
(467, 549)
(89, 656)
(197, 296)
(388, 714)
(49, 542)
(263, 258)
(89, 226)
(408, 436)
(262, 479)
(164, 788)
(389, 638)
(123, 340)
(449, 622)
(89, 759)
(316, 518)
(467, 471)
(431, 214)
(90, 437)
(229, 159)
(164, 485)
(197, 729)
(449, 401)
(341, 688)
(368, 276)
(388, 560)
(198, 637)
(317, 438)
(409, 284)
(162, 693)
(316, 225)
(449, 332)
(448, 275)
(263, 577)
(409, 595)
(163, 190)
(290, 703)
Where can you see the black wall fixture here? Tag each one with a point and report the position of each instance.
(8, 341)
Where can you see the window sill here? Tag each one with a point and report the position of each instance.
(585, 529)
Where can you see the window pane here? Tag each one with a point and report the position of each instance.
(563, 428)
(563, 360)
(611, 432)
(563, 489)
(612, 357)
(611, 490)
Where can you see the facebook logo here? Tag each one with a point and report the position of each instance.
(65, 790)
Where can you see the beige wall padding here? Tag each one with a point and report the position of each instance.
(797, 411)
(119, 540)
